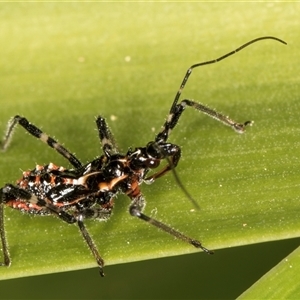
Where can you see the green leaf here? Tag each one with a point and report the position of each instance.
(278, 283)
(126, 64)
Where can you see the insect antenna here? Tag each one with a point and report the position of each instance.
(189, 71)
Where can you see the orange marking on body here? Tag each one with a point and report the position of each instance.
(135, 190)
(21, 205)
(106, 186)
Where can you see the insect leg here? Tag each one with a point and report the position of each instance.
(175, 114)
(4, 244)
(36, 132)
(107, 140)
(99, 213)
(135, 210)
(176, 109)
(10, 192)
(91, 244)
(79, 219)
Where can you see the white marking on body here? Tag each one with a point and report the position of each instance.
(33, 200)
(80, 180)
(63, 193)
(39, 168)
(87, 168)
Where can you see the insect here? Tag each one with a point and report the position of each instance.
(87, 191)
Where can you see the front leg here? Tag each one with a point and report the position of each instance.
(177, 110)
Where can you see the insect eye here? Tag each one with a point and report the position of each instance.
(153, 163)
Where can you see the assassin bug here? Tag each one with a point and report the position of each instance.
(87, 190)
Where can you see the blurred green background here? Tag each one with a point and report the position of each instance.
(50, 47)
(223, 276)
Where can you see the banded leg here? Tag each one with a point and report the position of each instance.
(4, 244)
(135, 210)
(36, 132)
(90, 213)
(71, 219)
(177, 110)
(10, 192)
(79, 219)
(91, 245)
(106, 137)
(93, 213)
(174, 115)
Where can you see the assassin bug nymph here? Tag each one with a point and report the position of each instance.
(87, 190)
